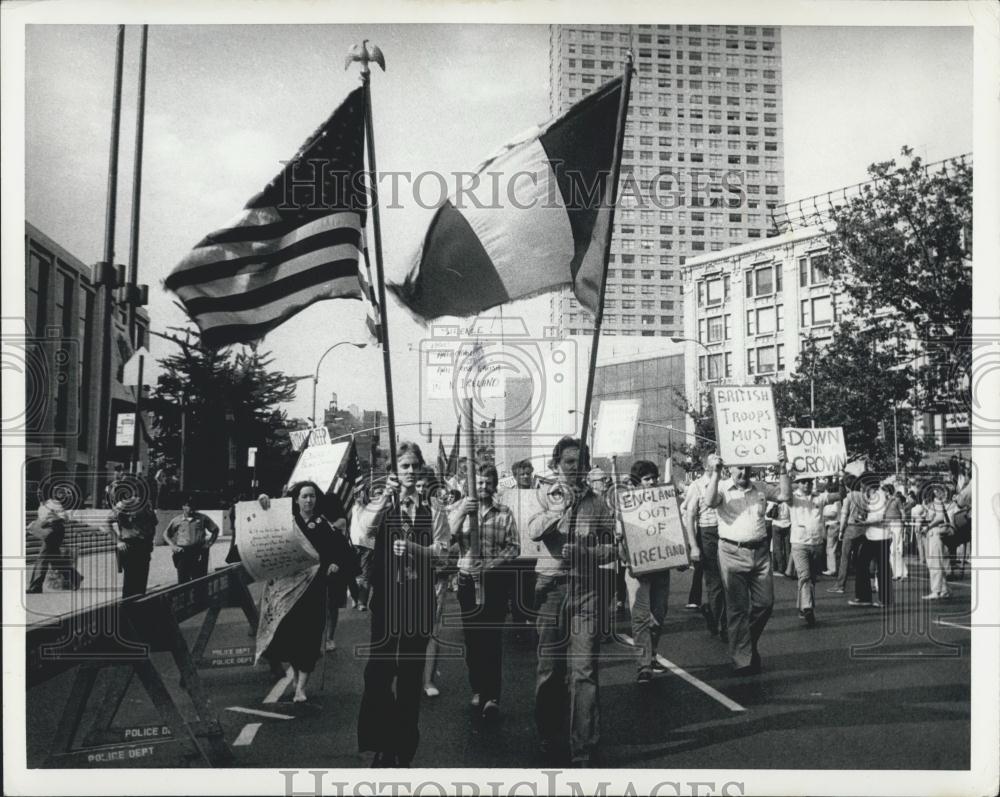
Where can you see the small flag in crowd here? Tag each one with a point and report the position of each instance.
(295, 243)
(442, 459)
(453, 456)
(546, 226)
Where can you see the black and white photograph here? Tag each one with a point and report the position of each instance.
(495, 399)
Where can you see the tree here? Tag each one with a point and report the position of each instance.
(858, 385)
(695, 448)
(229, 402)
(901, 250)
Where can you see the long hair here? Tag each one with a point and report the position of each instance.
(296, 489)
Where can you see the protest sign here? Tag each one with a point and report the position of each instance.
(300, 438)
(746, 427)
(815, 452)
(616, 421)
(654, 535)
(320, 464)
(271, 545)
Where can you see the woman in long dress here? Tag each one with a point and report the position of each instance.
(293, 608)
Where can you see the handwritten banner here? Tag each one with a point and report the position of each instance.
(271, 545)
(320, 464)
(746, 426)
(654, 535)
(815, 452)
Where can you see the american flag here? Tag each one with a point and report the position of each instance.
(351, 479)
(296, 242)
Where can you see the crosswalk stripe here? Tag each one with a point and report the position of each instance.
(257, 712)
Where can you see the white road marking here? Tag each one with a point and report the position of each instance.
(711, 691)
(258, 713)
(278, 690)
(246, 735)
(939, 621)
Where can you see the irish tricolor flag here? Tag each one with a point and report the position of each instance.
(535, 219)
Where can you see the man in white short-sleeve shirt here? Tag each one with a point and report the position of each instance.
(744, 558)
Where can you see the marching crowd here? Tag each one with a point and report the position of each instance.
(545, 549)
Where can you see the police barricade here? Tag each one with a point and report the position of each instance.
(116, 640)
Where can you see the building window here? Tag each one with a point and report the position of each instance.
(817, 311)
(813, 270)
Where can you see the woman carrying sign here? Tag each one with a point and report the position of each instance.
(293, 608)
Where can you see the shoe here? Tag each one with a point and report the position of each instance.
(659, 666)
(645, 676)
(431, 691)
(810, 617)
(362, 607)
(944, 596)
(836, 590)
(878, 604)
(475, 700)
(932, 597)
(753, 668)
(331, 645)
(856, 602)
(693, 607)
(491, 711)
(829, 572)
(779, 575)
(300, 698)
(710, 623)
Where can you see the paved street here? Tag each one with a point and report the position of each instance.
(900, 700)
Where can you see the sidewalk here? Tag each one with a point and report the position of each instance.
(102, 583)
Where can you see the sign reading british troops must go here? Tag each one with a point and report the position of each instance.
(746, 426)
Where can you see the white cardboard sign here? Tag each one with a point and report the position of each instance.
(320, 464)
(746, 426)
(654, 535)
(616, 422)
(271, 545)
(815, 452)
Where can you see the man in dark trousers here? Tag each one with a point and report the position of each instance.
(483, 587)
(133, 525)
(190, 535)
(576, 530)
(407, 540)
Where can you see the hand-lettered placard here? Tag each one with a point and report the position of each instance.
(271, 545)
(654, 536)
(815, 452)
(746, 427)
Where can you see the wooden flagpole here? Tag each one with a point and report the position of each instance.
(470, 488)
(366, 54)
(611, 195)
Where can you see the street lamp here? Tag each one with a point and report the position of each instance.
(316, 375)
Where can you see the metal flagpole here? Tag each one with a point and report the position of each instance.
(610, 197)
(133, 294)
(470, 489)
(365, 54)
(106, 276)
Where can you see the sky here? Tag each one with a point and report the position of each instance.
(226, 104)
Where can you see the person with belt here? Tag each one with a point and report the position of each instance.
(703, 518)
(189, 536)
(133, 526)
(744, 558)
(408, 541)
(483, 587)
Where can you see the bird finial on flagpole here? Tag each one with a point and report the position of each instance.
(365, 54)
